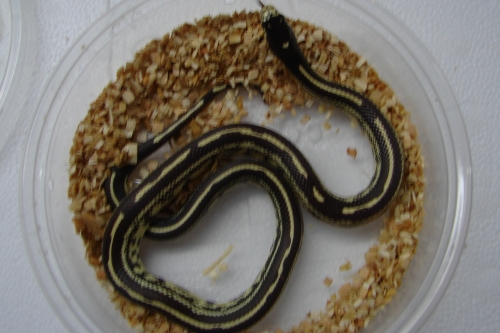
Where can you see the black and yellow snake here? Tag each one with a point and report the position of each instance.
(283, 173)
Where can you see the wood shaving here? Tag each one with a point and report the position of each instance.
(352, 152)
(346, 266)
(327, 282)
(168, 74)
(305, 119)
(218, 261)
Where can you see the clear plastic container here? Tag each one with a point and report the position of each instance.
(57, 253)
(10, 37)
(12, 27)
(15, 65)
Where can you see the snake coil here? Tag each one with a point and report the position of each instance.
(284, 174)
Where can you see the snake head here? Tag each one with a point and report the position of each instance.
(279, 35)
(267, 13)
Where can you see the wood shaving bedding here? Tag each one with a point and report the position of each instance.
(169, 75)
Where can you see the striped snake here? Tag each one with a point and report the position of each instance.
(282, 171)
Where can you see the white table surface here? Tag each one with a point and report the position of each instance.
(464, 38)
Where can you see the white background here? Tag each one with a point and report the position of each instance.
(464, 39)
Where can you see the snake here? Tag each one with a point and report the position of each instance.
(262, 157)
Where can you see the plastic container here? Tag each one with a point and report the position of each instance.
(10, 38)
(15, 63)
(58, 254)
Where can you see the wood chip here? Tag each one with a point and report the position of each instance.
(305, 119)
(317, 34)
(352, 152)
(128, 97)
(218, 261)
(235, 38)
(346, 266)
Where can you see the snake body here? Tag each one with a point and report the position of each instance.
(282, 171)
